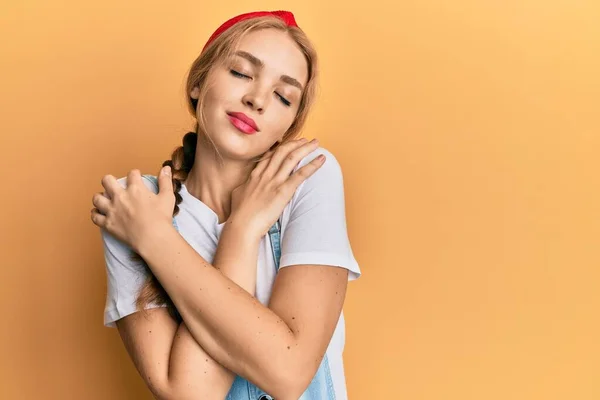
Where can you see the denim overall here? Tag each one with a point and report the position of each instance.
(320, 388)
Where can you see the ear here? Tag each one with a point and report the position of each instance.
(195, 93)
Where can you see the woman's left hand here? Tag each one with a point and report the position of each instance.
(127, 213)
(258, 203)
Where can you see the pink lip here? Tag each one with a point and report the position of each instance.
(243, 122)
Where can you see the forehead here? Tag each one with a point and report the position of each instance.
(278, 51)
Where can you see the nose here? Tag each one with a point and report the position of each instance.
(256, 100)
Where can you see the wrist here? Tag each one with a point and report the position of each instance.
(242, 231)
(237, 255)
(238, 234)
(153, 237)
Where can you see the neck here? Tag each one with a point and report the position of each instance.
(212, 179)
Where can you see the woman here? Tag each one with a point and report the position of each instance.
(234, 286)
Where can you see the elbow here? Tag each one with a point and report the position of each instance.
(167, 395)
(192, 391)
(161, 390)
(289, 390)
(159, 393)
(290, 383)
(167, 391)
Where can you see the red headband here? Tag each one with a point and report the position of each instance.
(286, 16)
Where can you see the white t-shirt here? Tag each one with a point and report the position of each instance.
(313, 231)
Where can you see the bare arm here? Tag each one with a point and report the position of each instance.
(171, 362)
(280, 347)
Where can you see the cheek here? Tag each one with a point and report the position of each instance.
(285, 119)
(214, 95)
(221, 88)
(279, 124)
(216, 101)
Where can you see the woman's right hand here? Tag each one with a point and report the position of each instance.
(259, 202)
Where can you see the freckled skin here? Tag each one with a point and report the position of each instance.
(275, 125)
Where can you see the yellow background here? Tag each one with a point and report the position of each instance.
(468, 133)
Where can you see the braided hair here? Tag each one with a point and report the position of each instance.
(181, 163)
(182, 159)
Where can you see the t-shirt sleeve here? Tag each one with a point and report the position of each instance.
(314, 231)
(124, 276)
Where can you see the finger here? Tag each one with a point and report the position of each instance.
(292, 160)
(280, 154)
(134, 177)
(101, 203)
(292, 183)
(98, 219)
(111, 185)
(266, 156)
(165, 182)
(262, 163)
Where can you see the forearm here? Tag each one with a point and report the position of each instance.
(230, 324)
(193, 373)
(239, 266)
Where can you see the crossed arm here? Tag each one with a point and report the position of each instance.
(226, 331)
(278, 347)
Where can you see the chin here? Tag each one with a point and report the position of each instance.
(234, 145)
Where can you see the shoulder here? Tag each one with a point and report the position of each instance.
(331, 169)
(149, 180)
(317, 152)
(324, 186)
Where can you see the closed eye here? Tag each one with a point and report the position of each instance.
(238, 75)
(283, 99)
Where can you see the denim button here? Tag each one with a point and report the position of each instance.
(265, 397)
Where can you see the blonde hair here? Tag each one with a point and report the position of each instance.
(182, 159)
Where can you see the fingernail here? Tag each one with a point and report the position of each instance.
(321, 158)
(303, 140)
(167, 170)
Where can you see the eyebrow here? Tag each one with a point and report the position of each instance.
(258, 63)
